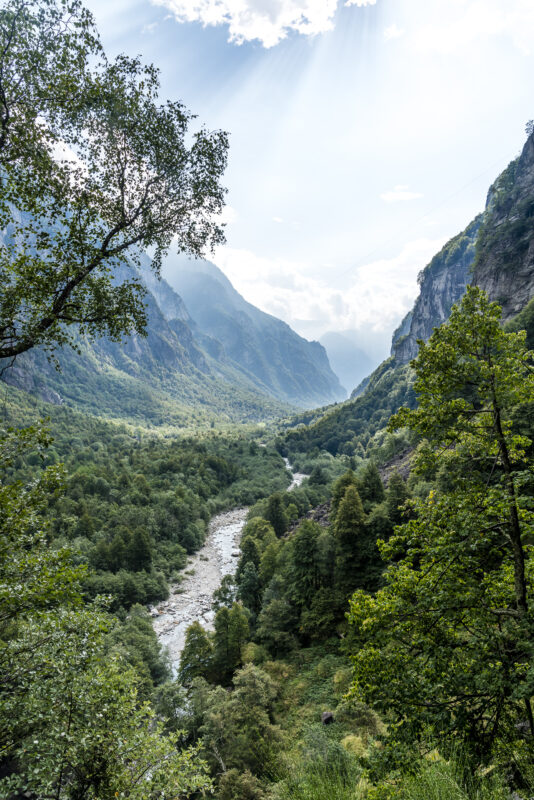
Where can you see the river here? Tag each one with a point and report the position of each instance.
(190, 600)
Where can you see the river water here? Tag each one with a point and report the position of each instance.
(190, 600)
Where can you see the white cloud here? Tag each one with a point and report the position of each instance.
(278, 219)
(375, 296)
(268, 21)
(393, 32)
(456, 24)
(400, 194)
(149, 27)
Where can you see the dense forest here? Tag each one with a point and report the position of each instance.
(376, 640)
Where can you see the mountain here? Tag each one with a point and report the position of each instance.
(495, 252)
(179, 374)
(504, 262)
(348, 361)
(265, 349)
(442, 283)
(165, 378)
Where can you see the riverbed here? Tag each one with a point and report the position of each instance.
(190, 600)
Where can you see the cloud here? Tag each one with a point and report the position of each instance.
(267, 21)
(400, 194)
(375, 296)
(393, 32)
(459, 24)
(149, 27)
(278, 219)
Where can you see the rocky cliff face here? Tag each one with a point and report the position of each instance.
(442, 284)
(495, 252)
(504, 262)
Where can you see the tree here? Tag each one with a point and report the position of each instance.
(225, 595)
(269, 560)
(197, 655)
(250, 554)
(396, 496)
(370, 487)
(94, 169)
(357, 561)
(445, 648)
(276, 514)
(338, 491)
(277, 620)
(250, 588)
(260, 530)
(304, 576)
(236, 727)
(231, 632)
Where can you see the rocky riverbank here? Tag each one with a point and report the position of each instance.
(190, 600)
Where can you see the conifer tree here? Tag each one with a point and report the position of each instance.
(370, 486)
(196, 658)
(396, 496)
(338, 491)
(238, 633)
(249, 554)
(269, 560)
(276, 514)
(357, 561)
(231, 632)
(304, 568)
(250, 588)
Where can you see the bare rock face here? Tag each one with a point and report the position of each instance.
(495, 252)
(443, 283)
(504, 263)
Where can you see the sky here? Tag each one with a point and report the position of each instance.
(363, 135)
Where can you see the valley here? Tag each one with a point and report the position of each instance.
(236, 562)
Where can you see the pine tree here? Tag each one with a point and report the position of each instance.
(250, 588)
(358, 561)
(370, 487)
(197, 655)
(249, 554)
(276, 515)
(304, 568)
(338, 491)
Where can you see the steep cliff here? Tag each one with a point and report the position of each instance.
(442, 283)
(504, 262)
(495, 252)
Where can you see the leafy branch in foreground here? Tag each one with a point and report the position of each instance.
(93, 168)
